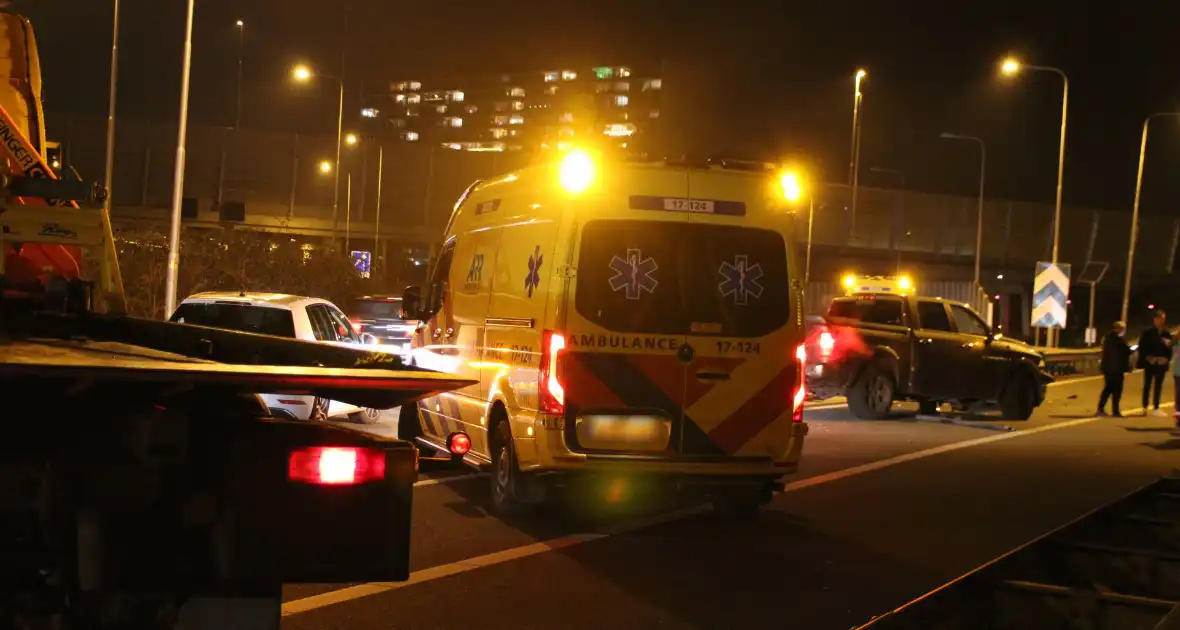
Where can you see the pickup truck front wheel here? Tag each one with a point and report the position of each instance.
(871, 395)
(1020, 397)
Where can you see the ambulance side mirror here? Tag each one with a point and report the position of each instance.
(411, 303)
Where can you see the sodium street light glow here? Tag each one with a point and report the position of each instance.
(325, 166)
(351, 139)
(301, 73)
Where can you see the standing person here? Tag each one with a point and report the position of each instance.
(1116, 362)
(1155, 353)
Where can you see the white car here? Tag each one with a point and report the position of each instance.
(281, 315)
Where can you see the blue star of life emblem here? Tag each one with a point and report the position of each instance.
(534, 275)
(633, 274)
(740, 279)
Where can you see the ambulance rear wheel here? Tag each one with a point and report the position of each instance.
(505, 472)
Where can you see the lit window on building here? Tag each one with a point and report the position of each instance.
(499, 133)
(454, 146)
(516, 91)
(370, 112)
(457, 96)
(453, 121)
(415, 85)
(655, 113)
(619, 130)
(430, 97)
(565, 132)
(411, 136)
(622, 86)
(411, 111)
(482, 147)
(624, 72)
(567, 117)
(550, 77)
(516, 119)
(604, 73)
(442, 109)
(501, 106)
(398, 123)
(568, 75)
(653, 84)
(601, 88)
(622, 100)
(500, 120)
(518, 105)
(413, 98)
(471, 109)
(401, 86)
(399, 98)
(512, 133)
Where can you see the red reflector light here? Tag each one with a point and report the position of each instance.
(552, 393)
(800, 389)
(336, 465)
(459, 444)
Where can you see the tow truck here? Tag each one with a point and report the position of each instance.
(143, 484)
(1116, 568)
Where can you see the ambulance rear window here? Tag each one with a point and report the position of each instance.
(681, 278)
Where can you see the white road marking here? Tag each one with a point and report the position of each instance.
(329, 598)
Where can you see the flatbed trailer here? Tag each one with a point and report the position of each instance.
(1116, 568)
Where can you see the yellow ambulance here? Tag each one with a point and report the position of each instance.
(626, 323)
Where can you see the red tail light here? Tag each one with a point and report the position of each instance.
(336, 465)
(459, 444)
(827, 343)
(800, 390)
(552, 394)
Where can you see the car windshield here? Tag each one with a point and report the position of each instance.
(264, 320)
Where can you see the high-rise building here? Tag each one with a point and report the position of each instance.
(526, 111)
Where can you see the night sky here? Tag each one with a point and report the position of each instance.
(742, 78)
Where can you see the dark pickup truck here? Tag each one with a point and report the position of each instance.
(876, 349)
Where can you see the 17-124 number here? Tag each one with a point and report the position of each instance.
(739, 347)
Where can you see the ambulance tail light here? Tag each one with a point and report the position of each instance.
(800, 394)
(552, 393)
(335, 465)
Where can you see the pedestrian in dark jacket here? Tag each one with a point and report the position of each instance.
(1116, 362)
(1155, 353)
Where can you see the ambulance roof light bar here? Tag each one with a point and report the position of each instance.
(897, 285)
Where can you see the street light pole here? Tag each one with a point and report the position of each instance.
(336, 174)
(108, 177)
(377, 220)
(238, 89)
(1012, 67)
(854, 163)
(979, 217)
(348, 215)
(1135, 213)
(178, 176)
(810, 218)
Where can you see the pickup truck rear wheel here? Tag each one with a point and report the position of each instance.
(871, 395)
(1019, 398)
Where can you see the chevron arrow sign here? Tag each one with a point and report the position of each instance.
(1050, 293)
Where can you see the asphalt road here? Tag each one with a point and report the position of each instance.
(880, 513)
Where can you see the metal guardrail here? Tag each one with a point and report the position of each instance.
(1071, 361)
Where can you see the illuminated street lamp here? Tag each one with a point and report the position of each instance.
(325, 166)
(979, 218)
(178, 174)
(351, 139)
(854, 162)
(794, 187)
(1013, 67)
(303, 74)
(1135, 211)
